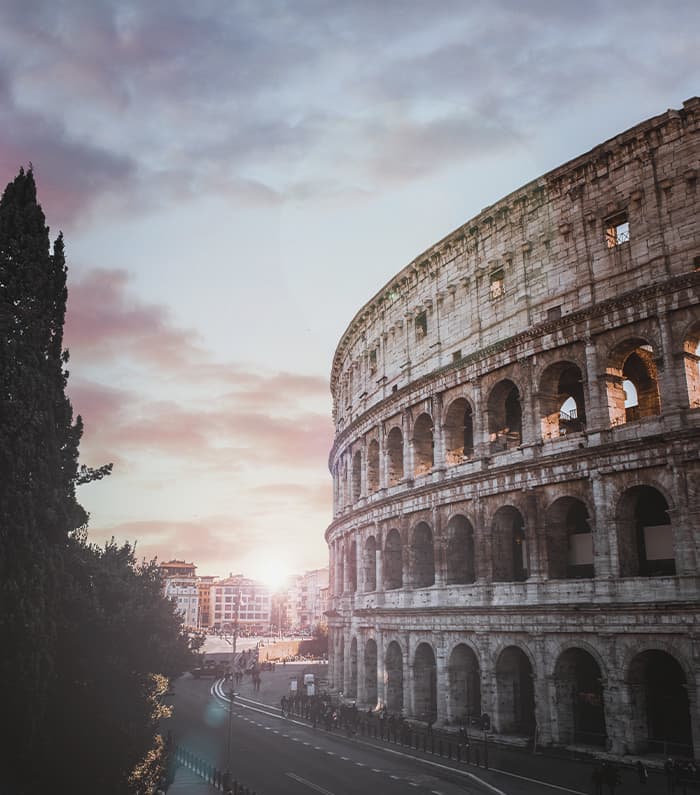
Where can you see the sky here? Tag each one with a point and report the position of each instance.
(234, 180)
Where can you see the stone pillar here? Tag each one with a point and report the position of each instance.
(381, 689)
(406, 424)
(442, 679)
(438, 434)
(381, 438)
(408, 707)
(620, 716)
(684, 519)
(596, 397)
(543, 691)
(605, 554)
(532, 519)
(359, 568)
(481, 423)
(361, 695)
(380, 559)
(439, 550)
(669, 370)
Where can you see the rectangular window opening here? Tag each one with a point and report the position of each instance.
(617, 230)
(373, 360)
(497, 284)
(421, 325)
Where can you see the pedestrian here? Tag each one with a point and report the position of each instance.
(669, 769)
(597, 780)
(612, 778)
(642, 773)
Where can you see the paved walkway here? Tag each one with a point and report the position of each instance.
(188, 783)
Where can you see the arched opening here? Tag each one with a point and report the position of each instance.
(352, 683)
(373, 466)
(510, 555)
(460, 551)
(425, 683)
(660, 705)
(393, 678)
(422, 557)
(515, 692)
(569, 540)
(579, 697)
(356, 476)
(351, 566)
(370, 560)
(393, 561)
(505, 416)
(464, 685)
(423, 445)
(645, 534)
(371, 672)
(459, 432)
(691, 359)
(633, 388)
(394, 452)
(562, 404)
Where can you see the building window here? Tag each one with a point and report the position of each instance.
(421, 325)
(617, 230)
(373, 361)
(497, 284)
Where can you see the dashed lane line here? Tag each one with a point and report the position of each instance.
(310, 784)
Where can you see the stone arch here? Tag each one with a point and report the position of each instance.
(562, 402)
(351, 566)
(394, 452)
(569, 540)
(373, 466)
(460, 551)
(633, 383)
(459, 432)
(352, 681)
(423, 445)
(370, 668)
(645, 534)
(579, 698)
(422, 556)
(393, 560)
(510, 555)
(370, 564)
(464, 683)
(425, 683)
(393, 678)
(660, 707)
(515, 692)
(504, 416)
(691, 360)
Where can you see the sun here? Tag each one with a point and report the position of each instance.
(272, 573)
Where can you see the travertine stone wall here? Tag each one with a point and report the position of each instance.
(516, 522)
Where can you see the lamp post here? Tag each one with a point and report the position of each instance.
(227, 775)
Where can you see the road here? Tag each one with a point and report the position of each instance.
(272, 754)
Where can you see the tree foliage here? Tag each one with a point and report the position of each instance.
(87, 638)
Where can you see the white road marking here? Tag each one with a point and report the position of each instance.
(360, 764)
(310, 784)
(345, 758)
(330, 753)
(376, 770)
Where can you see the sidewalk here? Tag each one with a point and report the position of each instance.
(188, 783)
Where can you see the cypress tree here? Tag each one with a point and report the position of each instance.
(38, 463)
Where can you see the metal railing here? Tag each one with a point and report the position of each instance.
(217, 778)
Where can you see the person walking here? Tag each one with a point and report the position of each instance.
(642, 773)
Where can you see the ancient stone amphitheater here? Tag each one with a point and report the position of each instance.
(516, 463)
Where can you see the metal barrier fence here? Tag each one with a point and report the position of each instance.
(224, 782)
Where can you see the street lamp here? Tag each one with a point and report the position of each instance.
(227, 776)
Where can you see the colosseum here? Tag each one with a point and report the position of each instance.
(516, 503)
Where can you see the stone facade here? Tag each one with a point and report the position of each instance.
(516, 524)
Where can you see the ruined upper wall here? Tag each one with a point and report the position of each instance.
(537, 255)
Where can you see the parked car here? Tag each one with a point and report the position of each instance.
(210, 669)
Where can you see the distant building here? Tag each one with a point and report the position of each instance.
(185, 593)
(204, 589)
(178, 568)
(254, 612)
(305, 606)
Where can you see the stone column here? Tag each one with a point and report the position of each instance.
(408, 706)
(543, 691)
(361, 673)
(596, 399)
(406, 424)
(481, 424)
(359, 568)
(438, 434)
(669, 368)
(605, 554)
(380, 559)
(381, 689)
(442, 679)
(383, 479)
(439, 548)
